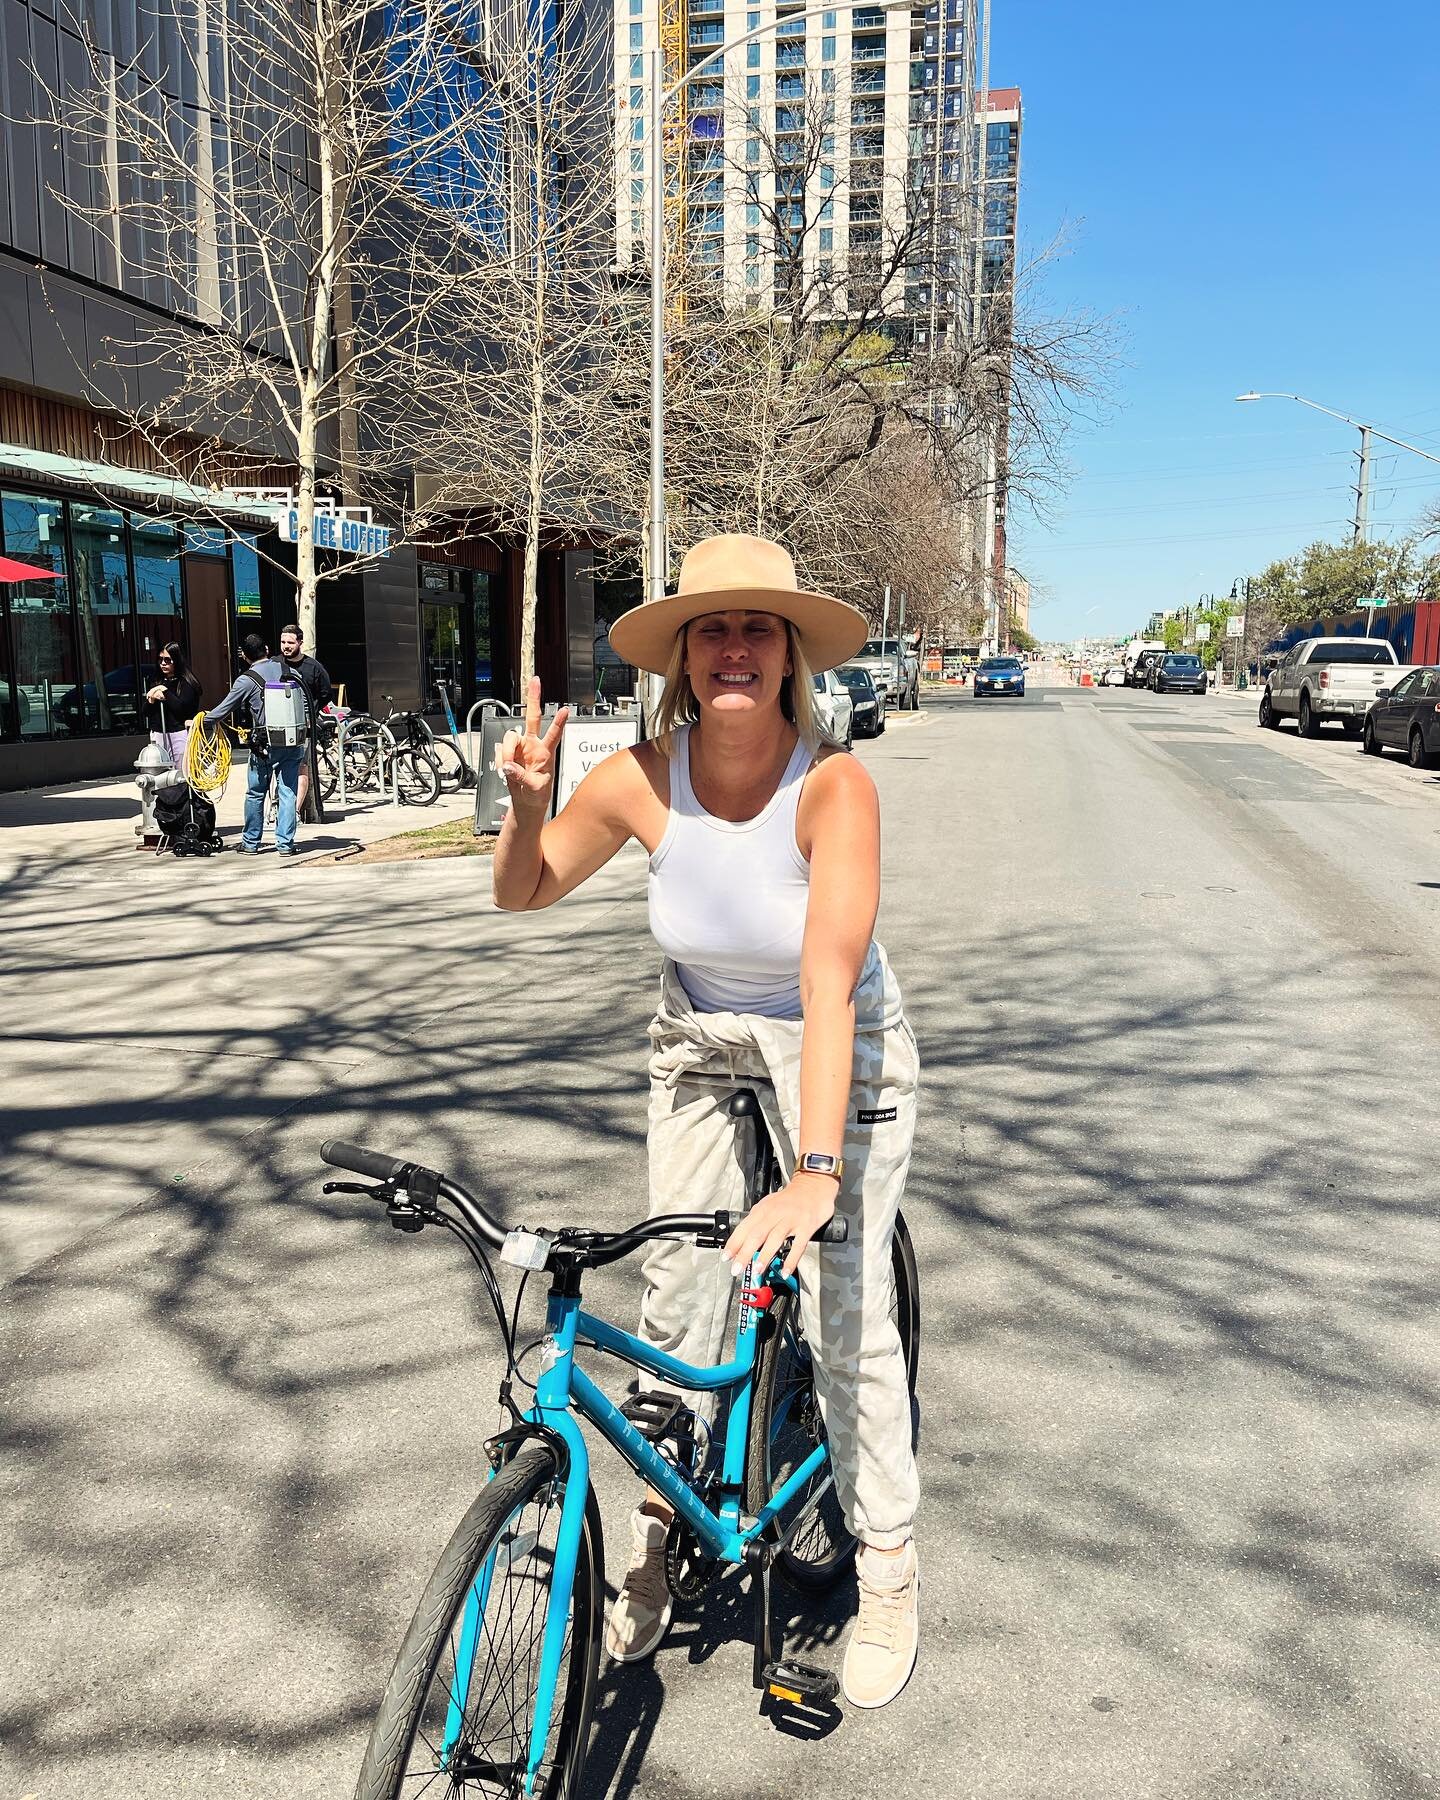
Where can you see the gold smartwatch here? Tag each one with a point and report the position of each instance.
(816, 1162)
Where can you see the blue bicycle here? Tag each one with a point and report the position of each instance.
(493, 1689)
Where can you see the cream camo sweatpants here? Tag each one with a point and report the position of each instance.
(698, 1156)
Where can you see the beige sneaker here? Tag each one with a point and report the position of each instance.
(886, 1636)
(641, 1613)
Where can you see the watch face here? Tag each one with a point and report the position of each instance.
(819, 1163)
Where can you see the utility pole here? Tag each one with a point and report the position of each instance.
(1362, 488)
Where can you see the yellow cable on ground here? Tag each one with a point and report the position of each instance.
(207, 758)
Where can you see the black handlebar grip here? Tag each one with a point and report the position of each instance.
(833, 1231)
(375, 1163)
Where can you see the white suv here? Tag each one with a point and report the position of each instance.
(835, 707)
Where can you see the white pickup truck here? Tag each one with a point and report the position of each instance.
(1328, 678)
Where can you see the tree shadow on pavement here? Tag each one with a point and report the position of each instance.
(1178, 1369)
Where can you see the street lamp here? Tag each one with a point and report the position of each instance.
(660, 98)
(1362, 487)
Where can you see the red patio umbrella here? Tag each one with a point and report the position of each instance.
(10, 570)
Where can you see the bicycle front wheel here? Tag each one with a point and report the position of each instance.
(455, 772)
(786, 1424)
(455, 1716)
(417, 780)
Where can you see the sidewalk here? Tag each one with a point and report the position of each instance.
(96, 819)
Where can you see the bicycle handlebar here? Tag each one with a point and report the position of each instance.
(375, 1163)
(602, 1247)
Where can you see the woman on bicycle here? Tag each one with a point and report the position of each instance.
(764, 846)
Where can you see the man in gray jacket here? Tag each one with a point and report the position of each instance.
(280, 762)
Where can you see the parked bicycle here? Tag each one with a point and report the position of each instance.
(374, 759)
(412, 729)
(494, 1685)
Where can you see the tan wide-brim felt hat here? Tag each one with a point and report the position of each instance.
(735, 573)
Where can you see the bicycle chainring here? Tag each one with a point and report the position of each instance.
(688, 1571)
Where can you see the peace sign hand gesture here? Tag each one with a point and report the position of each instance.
(527, 760)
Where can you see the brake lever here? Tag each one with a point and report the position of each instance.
(348, 1187)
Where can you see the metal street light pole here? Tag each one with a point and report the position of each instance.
(660, 98)
(1362, 486)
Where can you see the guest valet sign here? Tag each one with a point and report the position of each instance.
(584, 743)
(338, 531)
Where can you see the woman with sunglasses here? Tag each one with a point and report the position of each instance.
(171, 703)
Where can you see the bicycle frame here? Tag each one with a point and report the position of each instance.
(563, 1390)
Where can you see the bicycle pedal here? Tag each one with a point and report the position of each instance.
(654, 1415)
(800, 1683)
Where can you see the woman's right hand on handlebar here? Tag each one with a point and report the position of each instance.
(527, 760)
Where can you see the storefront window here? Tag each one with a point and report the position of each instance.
(155, 545)
(9, 711)
(41, 642)
(102, 602)
(245, 572)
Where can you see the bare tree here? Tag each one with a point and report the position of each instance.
(805, 400)
(524, 425)
(346, 170)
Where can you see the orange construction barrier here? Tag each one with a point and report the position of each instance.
(1086, 678)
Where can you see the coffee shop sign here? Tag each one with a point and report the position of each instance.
(338, 531)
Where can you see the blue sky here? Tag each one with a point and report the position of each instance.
(1253, 191)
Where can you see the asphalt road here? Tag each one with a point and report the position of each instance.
(1173, 982)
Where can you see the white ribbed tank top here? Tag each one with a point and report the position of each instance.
(728, 897)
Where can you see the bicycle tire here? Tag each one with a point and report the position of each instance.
(455, 772)
(785, 1423)
(327, 764)
(417, 778)
(399, 1740)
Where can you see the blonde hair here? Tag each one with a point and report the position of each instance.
(678, 705)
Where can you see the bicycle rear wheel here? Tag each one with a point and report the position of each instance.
(786, 1424)
(417, 779)
(485, 1606)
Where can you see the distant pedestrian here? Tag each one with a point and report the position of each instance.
(278, 762)
(171, 703)
(315, 679)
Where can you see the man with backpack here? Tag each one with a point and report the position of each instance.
(314, 677)
(269, 759)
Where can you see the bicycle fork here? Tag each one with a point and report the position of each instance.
(552, 1409)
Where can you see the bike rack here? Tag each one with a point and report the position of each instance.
(506, 712)
(387, 760)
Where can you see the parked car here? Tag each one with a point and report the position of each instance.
(1140, 672)
(1178, 673)
(119, 694)
(1134, 650)
(1329, 678)
(1406, 717)
(894, 667)
(869, 705)
(1113, 676)
(835, 707)
(1000, 675)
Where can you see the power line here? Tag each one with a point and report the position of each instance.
(1203, 537)
(1305, 493)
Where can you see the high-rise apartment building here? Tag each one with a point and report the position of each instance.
(999, 119)
(847, 138)
(998, 124)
